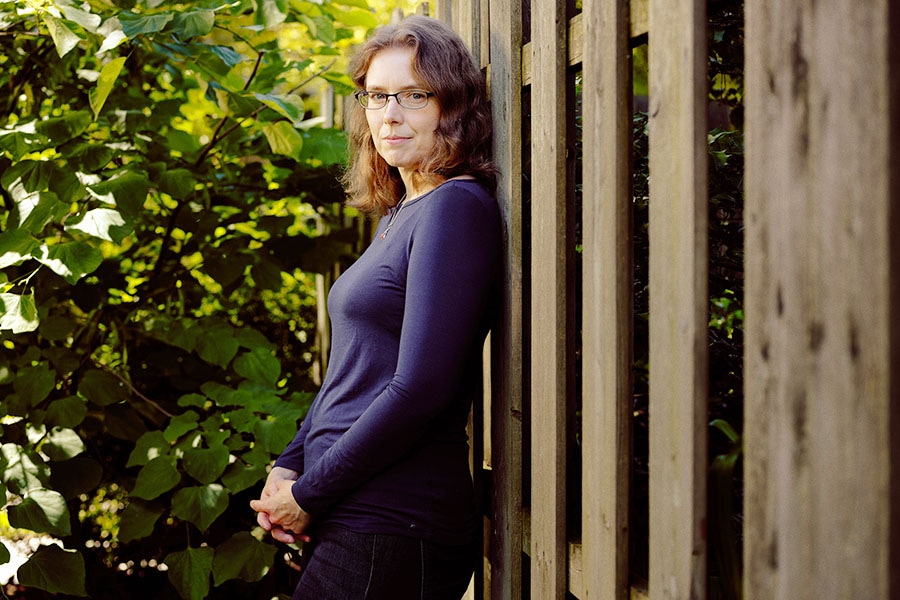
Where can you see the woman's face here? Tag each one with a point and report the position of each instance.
(402, 136)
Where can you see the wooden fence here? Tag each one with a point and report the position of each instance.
(822, 351)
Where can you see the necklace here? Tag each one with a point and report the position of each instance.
(396, 212)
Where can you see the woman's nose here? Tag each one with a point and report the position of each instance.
(393, 112)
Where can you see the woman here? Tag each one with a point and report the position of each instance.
(377, 479)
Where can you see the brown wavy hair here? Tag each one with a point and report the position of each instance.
(445, 66)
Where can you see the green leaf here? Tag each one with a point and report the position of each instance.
(321, 27)
(27, 176)
(102, 388)
(217, 347)
(36, 209)
(252, 339)
(34, 383)
(54, 570)
(65, 128)
(726, 428)
(214, 62)
(63, 38)
(248, 470)
(198, 400)
(213, 433)
(243, 557)
(356, 3)
(182, 141)
(84, 18)
(4, 554)
(156, 477)
(103, 223)
(64, 360)
(134, 25)
(113, 36)
(149, 446)
(138, 520)
(267, 275)
(342, 83)
(224, 266)
(62, 444)
(189, 571)
(182, 333)
(242, 419)
(324, 146)
(18, 313)
(180, 424)
(275, 434)
(178, 183)
(201, 505)
(193, 23)
(71, 260)
(206, 464)
(57, 328)
(284, 139)
(22, 470)
(19, 143)
(66, 412)
(272, 13)
(237, 105)
(226, 54)
(42, 511)
(357, 17)
(258, 365)
(108, 75)
(127, 191)
(16, 246)
(288, 105)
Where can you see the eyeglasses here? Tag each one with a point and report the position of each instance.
(412, 99)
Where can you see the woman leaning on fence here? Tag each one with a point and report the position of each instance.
(377, 481)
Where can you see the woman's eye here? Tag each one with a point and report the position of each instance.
(377, 96)
(415, 95)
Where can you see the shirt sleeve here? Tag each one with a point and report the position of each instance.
(453, 266)
(292, 457)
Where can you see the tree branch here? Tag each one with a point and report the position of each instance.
(135, 391)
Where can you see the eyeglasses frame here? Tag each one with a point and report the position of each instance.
(365, 93)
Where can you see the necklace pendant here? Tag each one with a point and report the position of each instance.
(396, 212)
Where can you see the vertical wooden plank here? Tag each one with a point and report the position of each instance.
(466, 21)
(507, 339)
(484, 17)
(443, 10)
(549, 300)
(822, 217)
(893, 224)
(608, 280)
(679, 302)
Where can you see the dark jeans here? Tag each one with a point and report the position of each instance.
(343, 565)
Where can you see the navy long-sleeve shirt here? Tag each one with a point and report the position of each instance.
(384, 447)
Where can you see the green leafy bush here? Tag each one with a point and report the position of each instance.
(166, 185)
